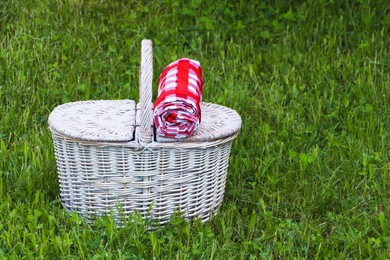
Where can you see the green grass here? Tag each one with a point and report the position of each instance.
(309, 174)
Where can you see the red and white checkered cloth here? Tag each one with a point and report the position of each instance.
(177, 108)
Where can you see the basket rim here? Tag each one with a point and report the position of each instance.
(152, 145)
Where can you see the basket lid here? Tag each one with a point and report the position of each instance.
(95, 120)
(217, 122)
(115, 121)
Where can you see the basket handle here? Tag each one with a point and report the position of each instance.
(145, 133)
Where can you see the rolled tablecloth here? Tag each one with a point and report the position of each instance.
(177, 111)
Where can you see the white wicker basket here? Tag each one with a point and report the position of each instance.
(109, 161)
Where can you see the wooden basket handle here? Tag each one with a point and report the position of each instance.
(145, 133)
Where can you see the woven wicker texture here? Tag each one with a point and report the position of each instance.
(97, 179)
(104, 167)
(145, 133)
(101, 120)
(105, 121)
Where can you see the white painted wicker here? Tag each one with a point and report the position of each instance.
(109, 161)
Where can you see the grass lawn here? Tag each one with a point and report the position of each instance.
(309, 173)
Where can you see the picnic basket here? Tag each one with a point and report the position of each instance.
(109, 160)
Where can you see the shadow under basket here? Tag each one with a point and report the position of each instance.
(109, 160)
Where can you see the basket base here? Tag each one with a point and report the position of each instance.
(97, 180)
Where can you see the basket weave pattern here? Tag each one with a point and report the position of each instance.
(108, 161)
(155, 182)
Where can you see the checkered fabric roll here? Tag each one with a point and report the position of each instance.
(177, 108)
